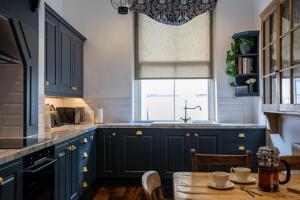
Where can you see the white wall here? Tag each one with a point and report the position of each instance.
(232, 16)
(108, 72)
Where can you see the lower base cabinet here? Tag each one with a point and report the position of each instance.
(76, 166)
(66, 172)
(11, 183)
(128, 153)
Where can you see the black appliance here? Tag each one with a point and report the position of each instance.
(38, 175)
(71, 115)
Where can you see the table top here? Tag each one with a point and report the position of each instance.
(193, 185)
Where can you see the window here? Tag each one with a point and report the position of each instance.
(173, 64)
(165, 99)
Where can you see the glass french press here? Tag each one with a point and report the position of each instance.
(268, 169)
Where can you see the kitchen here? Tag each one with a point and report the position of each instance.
(96, 96)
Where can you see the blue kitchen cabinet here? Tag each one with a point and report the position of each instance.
(11, 184)
(140, 151)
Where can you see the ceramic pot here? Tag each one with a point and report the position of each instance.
(245, 48)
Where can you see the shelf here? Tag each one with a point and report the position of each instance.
(248, 55)
(246, 75)
(253, 94)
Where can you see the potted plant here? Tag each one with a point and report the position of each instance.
(251, 82)
(231, 62)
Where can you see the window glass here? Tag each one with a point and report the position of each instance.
(165, 99)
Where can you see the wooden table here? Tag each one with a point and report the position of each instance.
(193, 185)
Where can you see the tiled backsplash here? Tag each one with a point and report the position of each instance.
(238, 110)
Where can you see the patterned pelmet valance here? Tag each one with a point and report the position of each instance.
(173, 12)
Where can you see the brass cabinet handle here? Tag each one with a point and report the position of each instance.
(75, 88)
(84, 184)
(139, 133)
(85, 170)
(196, 135)
(47, 82)
(85, 140)
(241, 148)
(70, 148)
(241, 135)
(85, 155)
(74, 147)
(114, 134)
(72, 88)
(1, 180)
(187, 135)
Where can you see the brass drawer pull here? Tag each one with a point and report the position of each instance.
(1, 180)
(139, 133)
(187, 135)
(74, 147)
(241, 148)
(47, 83)
(85, 155)
(70, 148)
(84, 184)
(114, 134)
(242, 135)
(196, 135)
(84, 140)
(84, 169)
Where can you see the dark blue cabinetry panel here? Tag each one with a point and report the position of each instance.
(11, 181)
(64, 57)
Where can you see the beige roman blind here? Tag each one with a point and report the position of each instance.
(173, 52)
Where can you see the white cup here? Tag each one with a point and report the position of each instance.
(220, 178)
(242, 173)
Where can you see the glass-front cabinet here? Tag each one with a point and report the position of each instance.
(280, 49)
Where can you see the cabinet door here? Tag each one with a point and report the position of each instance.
(92, 162)
(108, 153)
(73, 167)
(175, 151)
(11, 187)
(207, 141)
(139, 151)
(61, 172)
(78, 66)
(65, 50)
(51, 54)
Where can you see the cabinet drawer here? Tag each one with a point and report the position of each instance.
(239, 147)
(241, 135)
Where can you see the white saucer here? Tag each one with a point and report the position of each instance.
(227, 186)
(248, 181)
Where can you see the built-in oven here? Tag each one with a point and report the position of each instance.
(38, 175)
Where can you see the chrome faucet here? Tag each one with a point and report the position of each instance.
(185, 119)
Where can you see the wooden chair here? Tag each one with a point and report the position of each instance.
(292, 160)
(209, 160)
(152, 186)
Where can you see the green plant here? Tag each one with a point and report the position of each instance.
(231, 62)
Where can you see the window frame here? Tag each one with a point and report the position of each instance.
(212, 116)
(137, 101)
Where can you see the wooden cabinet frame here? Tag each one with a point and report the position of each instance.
(276, 103)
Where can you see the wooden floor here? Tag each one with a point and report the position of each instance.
(120, 190)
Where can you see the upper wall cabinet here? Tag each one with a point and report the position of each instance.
(280, 25)
(63, 57)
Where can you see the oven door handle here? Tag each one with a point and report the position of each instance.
(32, 169)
